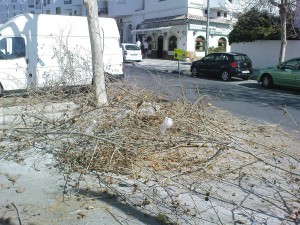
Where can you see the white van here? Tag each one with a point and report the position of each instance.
(42, 50)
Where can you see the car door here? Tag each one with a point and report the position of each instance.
(204, 65)
(285, 75)
(217, 64)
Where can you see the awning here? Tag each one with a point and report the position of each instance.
(151, 30)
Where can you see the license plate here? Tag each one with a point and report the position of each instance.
(246, 71)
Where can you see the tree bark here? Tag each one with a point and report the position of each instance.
(283, 17)
(283, 12)
(97, 52)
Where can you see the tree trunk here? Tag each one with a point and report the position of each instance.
(97, 52)
(283, 18)
(283, 12)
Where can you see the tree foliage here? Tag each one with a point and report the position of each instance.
(260, 25)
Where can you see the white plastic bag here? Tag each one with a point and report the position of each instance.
(167, 123)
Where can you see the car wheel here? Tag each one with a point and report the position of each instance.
(267, 81)
(194, 72)
(225, 75)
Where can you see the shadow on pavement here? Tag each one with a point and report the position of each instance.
(272, 90)
(117, 203)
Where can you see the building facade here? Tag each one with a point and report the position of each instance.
(11, 8)
(164, 24)
(170, 24)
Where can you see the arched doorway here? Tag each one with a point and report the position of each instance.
(222, 44)
(160, 47)
(200, 44)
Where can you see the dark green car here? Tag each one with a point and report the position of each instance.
(285, 74)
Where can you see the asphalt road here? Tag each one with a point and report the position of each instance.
(245, 99)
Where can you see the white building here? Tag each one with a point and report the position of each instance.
(11, 8)
(165, 24)
(169, 24)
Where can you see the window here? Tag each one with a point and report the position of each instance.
(205, 11)
(221, 57)
(209, 57)
(58, 10)
(225, 15)
(200, 44)
(68, 2)
(218, 14)
(12, 48)
(31, 3)
(293, 64)
(38, 4)
(172, 43)
(131, 47)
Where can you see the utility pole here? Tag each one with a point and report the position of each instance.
(207, 28)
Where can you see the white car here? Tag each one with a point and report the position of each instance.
(131, 52)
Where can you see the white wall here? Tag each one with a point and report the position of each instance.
(266, 53)
(160, 6)
(124, 8)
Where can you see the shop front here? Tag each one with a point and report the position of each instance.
(161, 41)
(186, 32)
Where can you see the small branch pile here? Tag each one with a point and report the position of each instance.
(208, 167)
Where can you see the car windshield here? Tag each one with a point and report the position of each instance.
(131, 47)
(241, 58)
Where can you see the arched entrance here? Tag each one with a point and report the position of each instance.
(160, 47)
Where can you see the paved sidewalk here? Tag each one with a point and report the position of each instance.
(169, 66)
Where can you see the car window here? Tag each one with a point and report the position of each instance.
(12, 48)
(131, 47)
(209, 58)
(293, 64)
(241, 58)
(221, 57)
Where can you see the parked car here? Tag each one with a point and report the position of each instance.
(131, 52)
(285, 74)
(223, 64)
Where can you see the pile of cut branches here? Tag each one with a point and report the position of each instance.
(206, 165)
